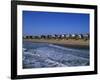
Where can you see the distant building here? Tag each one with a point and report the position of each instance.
(60, 36)
(53, 36)
(80, 36)
(86, 36)
(73, 35)
(67, 35)
(24, 37)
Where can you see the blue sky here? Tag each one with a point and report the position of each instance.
(37, 23)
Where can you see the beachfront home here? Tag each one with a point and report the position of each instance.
(57, 36)
(73, 36)
(86, 36)
(49, 36)
(27, 37)
(43, 36)
(80, 36)
(63, 36)
(53, 36)
(67, 36)
(24, 37)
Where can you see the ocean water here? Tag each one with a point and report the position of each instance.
(42, 55)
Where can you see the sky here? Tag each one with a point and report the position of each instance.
(37, 23)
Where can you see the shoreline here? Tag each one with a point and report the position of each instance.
(76, 44)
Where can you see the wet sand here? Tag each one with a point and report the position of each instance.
(81, 44)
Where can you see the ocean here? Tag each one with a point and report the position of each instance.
(43, 55)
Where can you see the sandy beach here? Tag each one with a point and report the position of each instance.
(67, 43)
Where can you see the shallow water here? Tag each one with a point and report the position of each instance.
(39, 55)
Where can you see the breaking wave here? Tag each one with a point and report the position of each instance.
(49, 55)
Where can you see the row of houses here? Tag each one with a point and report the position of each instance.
(61, 36)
